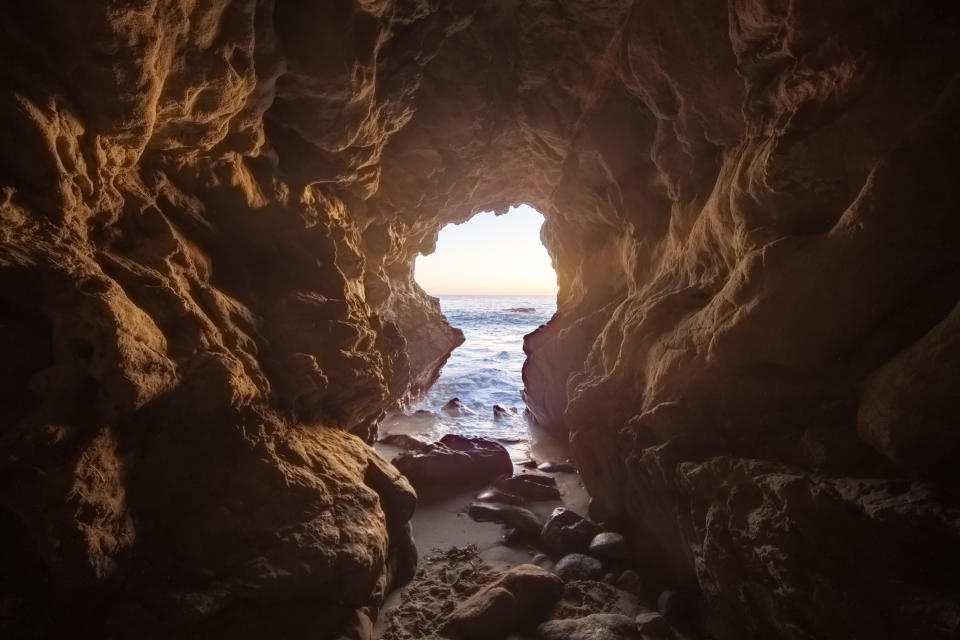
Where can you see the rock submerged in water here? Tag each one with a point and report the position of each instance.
(521, 310)
(500, 412)
(455, 460)
(597, 626)
(454, 408)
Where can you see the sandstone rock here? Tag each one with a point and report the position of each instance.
(210, 214)
(530, 487)
(455, 460)
(519, 598)
(491, 613)
(567, 532)
(598, 626)
(608, 545)
(577, 566)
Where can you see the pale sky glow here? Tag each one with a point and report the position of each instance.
(489, 255)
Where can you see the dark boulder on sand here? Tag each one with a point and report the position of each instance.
(455, 460)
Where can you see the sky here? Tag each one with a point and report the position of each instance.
(490, 254)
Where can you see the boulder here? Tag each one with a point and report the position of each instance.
(567, 532)
(530, 486)
(455, 460)
(578, 566)
(490, 613)
(597, 626)
(520, 598)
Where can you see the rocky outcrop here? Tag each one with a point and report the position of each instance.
(209, 213)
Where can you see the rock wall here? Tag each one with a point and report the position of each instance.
(209, 216)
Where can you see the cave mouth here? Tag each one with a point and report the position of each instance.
(494, 280)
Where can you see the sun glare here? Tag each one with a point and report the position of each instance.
(490, 254)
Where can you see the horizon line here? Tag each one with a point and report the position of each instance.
(460, 293)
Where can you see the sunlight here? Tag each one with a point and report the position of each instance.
(490, 254)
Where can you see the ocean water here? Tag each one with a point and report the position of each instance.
(483, 371)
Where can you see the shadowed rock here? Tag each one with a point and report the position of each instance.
(454, 460)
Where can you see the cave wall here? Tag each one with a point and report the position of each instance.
(209, 216)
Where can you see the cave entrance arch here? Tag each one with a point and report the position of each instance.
(496, 283)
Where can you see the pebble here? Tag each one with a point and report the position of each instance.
(630, 581)
(651, 623)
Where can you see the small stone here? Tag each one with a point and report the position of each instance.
(609, 577)
(610, 546)
(522, 519)
(672, 605)
(630, 581)
(577, 566)
(483, 512)
(651, 623)
(597, 626)
(557, 467)
(512, 537)
(543, 561)
(495, 495)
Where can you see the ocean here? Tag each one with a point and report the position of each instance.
(483, 371)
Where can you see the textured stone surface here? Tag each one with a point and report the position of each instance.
(209, 213)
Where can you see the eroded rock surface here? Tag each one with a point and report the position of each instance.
(209, 215)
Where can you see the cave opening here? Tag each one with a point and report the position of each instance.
(495, 281)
